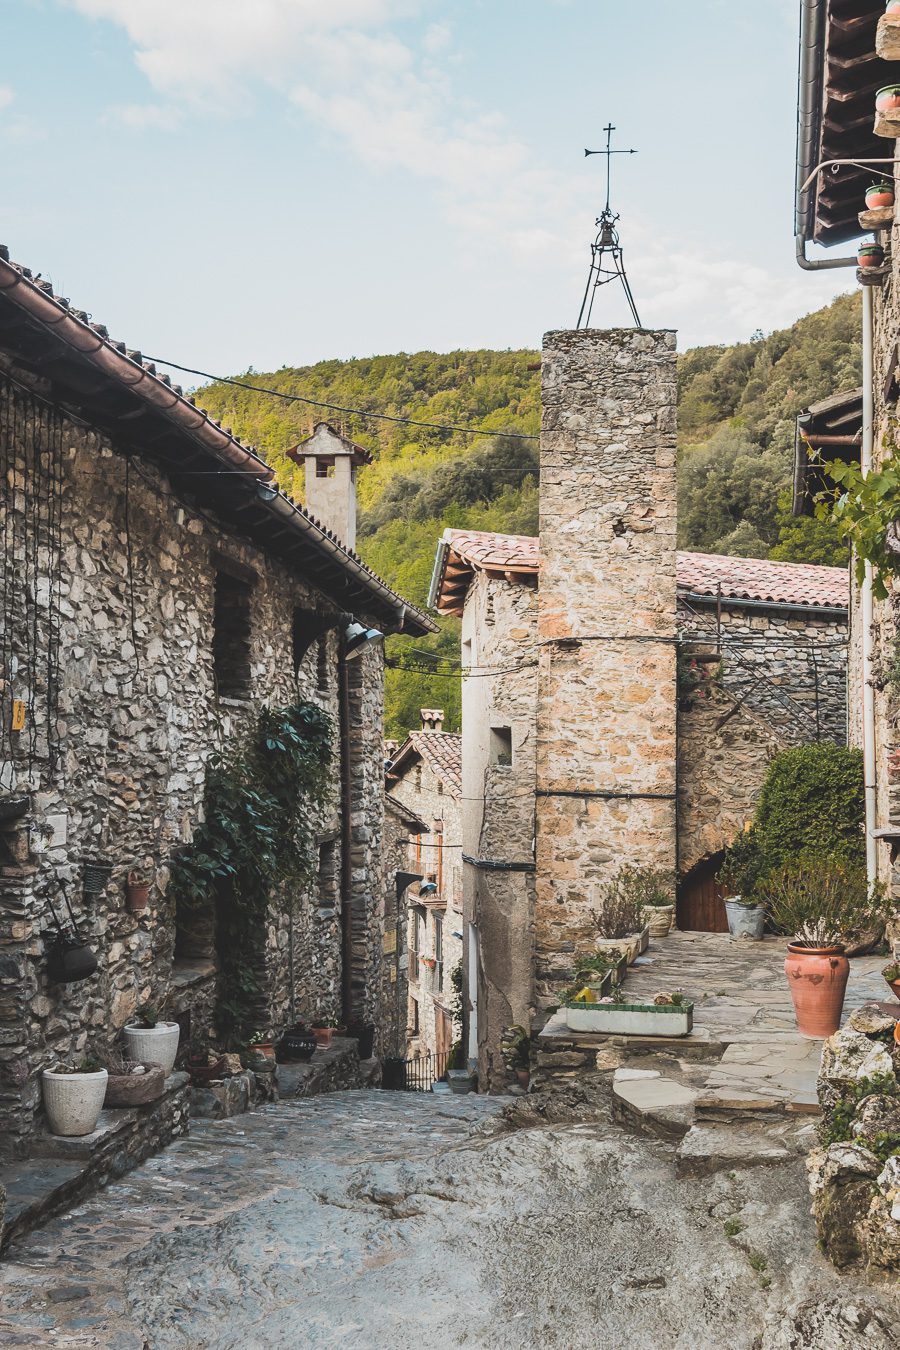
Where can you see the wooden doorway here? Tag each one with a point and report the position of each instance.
(443, 1031)
(699, 908)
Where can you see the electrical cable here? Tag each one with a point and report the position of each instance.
(337, 407)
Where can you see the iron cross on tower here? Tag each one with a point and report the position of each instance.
(607, 263)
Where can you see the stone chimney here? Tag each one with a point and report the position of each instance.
(432, 719)
(606, 628)
(331, 462)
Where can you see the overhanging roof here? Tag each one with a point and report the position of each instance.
(839, 76)
(103, 382)
(828, 430)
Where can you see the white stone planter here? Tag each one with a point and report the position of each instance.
(630, 947)
(153, 1045)
(73, 1101)
(631, 1019)
(659, 919)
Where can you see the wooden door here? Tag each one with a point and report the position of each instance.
(443, 1031)
(700, 908)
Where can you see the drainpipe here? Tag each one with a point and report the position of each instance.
(868, 605)
(346, 800)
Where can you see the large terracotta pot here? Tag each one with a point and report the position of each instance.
(817, 979)
(879, 194)
(888, 98)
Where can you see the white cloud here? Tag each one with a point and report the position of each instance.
(146, 116)
(6, 96)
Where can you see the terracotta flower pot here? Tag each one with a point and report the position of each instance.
(888, 98)
(880, 194)
(870, 255)
(323, 1036)
(817, 979)
(892, 7)
(137, 893)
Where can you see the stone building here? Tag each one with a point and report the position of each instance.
(400, 827)
(630, 720)
(158, 592)
(425, 777)
(843, 64)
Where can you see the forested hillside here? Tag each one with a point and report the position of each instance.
(736, 430)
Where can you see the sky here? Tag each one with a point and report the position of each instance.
(237, 183)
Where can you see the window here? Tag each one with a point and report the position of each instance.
(438, 953)
(501, 746)
(412, 1028)
(324, 468)
(326, 875)
(231, 636)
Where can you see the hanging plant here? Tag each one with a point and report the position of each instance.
(255, 849)
(870, 255)
(880, 194)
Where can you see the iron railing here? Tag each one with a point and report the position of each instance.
(424, 1070)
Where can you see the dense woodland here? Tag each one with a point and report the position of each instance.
(736, 436)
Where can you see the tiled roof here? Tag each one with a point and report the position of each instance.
(442, 750)
(462, 552)
(780, 583)
(121, 376)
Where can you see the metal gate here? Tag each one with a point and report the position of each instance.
(424, 1070)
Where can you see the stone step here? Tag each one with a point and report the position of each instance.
(707, 1149)
(648, 1103)
(34, 1192)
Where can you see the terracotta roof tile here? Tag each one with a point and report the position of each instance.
(442, 750)
(779, 583)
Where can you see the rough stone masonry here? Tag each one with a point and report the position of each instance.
(606, 627)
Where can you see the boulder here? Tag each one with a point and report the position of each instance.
(871, 1020)
(848, 1056)
(876, 1114)
(842, 1184)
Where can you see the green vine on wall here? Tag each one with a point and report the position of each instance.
(864, 507)
(255, 849)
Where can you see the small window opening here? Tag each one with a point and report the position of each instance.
(231, 636)
(501, 746)
(327, 880)
(324, 468)
(440, 787)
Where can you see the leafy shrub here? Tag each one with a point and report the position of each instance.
(812, 800)
(619, 912)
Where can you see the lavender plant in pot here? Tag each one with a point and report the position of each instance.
(740, 875)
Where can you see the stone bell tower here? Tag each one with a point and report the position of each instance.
(606, 627)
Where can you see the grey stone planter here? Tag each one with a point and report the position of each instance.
(153, 1045)
(73, 1101)
(747, 921)
(460, 1081)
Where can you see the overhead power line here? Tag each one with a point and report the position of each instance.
(338, 407)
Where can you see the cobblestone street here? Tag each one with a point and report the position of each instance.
(374, 1219)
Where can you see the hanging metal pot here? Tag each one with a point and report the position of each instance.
(69, 959)
(96, 877)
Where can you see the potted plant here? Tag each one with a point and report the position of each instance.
(150, 1040)
(515, 1047)
(618, 916)
(817, 901)
(891, 973)
(263, 1043)
(870, 255)
(130, 1083)
(666, 1014)
(137, 892)
(739, 875)
(888, 98)
(203, 1064)
(892, 7)
(654, 890)
(297, 1043)
(880, 194)
(73, 1097)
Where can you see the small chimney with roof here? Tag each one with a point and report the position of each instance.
(432, 719)
(331, 462)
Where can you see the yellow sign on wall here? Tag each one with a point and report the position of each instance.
(389, 941)
(17, 721)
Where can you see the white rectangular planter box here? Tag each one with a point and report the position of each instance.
(631, 1019)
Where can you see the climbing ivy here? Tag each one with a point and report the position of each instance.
(255, 848)
(863, 507)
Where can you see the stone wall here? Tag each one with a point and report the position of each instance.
(117, 575)
(781, 681)
(499, 642)
(606, 627)
(398, 830)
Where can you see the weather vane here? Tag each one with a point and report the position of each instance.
(607, 263)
